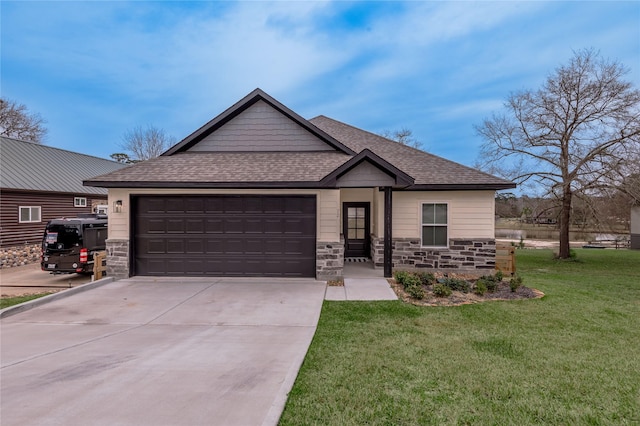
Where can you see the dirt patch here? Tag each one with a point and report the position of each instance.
(457, 298)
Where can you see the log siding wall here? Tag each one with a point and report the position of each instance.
(52, 206)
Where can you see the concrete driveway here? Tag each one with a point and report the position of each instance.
(30, 279)
(146, 351)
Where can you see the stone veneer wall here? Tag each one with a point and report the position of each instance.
(20, 255)
(329, 260)
(117, 258)
(462, 254)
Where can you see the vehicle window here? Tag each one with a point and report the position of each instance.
(61, 237)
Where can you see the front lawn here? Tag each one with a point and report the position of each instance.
(5, 302)
(572, 357)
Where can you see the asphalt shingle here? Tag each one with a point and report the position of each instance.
(425, 168)
(246, 168)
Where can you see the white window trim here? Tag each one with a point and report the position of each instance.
(30, 216)
(446, 225)
(79, 201)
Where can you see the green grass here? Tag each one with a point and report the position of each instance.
(572, 357)
(5, 302)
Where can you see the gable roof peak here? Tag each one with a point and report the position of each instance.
(241, 106)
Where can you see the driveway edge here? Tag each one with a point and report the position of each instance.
(280, 401)
(22, 307)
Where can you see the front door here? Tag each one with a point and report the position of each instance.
(355, 228)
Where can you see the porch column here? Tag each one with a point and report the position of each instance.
(387, 232)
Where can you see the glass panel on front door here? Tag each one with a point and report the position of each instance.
(356, 227)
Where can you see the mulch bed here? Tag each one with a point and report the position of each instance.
(457, 298)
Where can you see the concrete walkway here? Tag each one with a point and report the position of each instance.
(361, 289)
(145, 351)
(361, 282)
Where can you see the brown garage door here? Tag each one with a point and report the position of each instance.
(224, 235)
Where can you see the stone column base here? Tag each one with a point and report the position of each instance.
(329, 260)
(117, 258)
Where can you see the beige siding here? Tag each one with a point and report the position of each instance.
(119, 222)
(471, 213)
(329, 215)
(328, 220)
(261, 128)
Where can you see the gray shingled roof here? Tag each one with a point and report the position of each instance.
(230, 167)
(180, 168)
(34, 167)
(425, 168)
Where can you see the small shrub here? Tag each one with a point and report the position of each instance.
(457, 284)
(441, 290)
(485, 283)
(415, 291)
(480, 288)
(400, 276)
(515, 282)
(411, 281)
(491, 281)
(426, 278)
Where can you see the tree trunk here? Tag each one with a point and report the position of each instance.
(565, 220)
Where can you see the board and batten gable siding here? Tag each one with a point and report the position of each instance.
(260, 128)
(471, 213)
(328, 207)
(52, 206)
(365, 174)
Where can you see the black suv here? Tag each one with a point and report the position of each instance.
(68, 244)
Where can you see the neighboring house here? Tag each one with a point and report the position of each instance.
(635, 227)
(39, 183)
(260, 191)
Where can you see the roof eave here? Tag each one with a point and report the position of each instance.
(461, 186)
(208, 185)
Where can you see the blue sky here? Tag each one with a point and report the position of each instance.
(95, 69)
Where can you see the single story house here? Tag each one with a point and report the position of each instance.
(39, 183)
(261, 191)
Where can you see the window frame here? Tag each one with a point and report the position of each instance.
(79, 201)
(442, 225)
(30, 214)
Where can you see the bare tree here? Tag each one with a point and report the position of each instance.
(16, 122)
(403, 136)
(575, 135)
(146, 143)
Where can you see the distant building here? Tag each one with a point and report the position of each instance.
(39, 183)
(635, 227)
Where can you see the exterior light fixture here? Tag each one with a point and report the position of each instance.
(117, 206)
